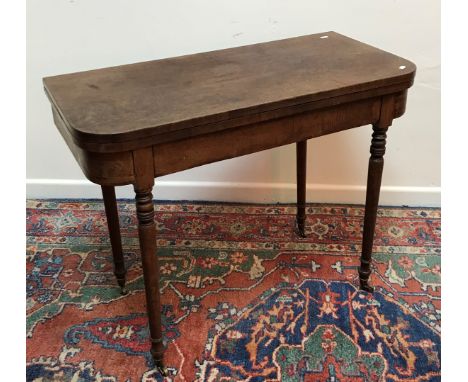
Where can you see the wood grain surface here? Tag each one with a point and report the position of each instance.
(149, 100)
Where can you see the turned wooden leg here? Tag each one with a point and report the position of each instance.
(110, 204)
(301, 167)
(147, 235)
(374, 178)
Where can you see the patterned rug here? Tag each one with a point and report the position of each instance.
(244, 298)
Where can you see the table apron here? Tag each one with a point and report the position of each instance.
(196, 151)
(117, 168)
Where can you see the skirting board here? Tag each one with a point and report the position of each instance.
(240, 192)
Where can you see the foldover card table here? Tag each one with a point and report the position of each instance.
(130, 124)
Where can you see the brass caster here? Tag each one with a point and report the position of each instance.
(161, 368)
(123, 291)
(121, 282)
(366, 287)
(300, 229)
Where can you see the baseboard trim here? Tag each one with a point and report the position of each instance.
(240, 192)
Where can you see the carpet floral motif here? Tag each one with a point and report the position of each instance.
(318, 331)
(243, 297)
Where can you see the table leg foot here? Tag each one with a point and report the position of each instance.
(158, 356)
(159, 364)
(123, 289)
(364, 281)
(367, 288)
(300, 227)
(121, 280)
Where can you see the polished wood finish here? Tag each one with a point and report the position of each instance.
(110, 169)
(301, 169)
(149, 100)
(130, 124)
(374, 179)
(208, 148)
(147, 234)
(112, 214)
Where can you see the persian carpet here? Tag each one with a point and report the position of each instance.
(244, 298)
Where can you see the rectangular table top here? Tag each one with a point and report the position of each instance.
(155, 98)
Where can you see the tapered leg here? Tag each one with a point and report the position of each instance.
(147, 235)
(110, 204)
(301, 167)
(374, 177)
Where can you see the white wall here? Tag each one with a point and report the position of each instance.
(68, 36)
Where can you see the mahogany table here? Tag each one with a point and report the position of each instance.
(130, 124)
